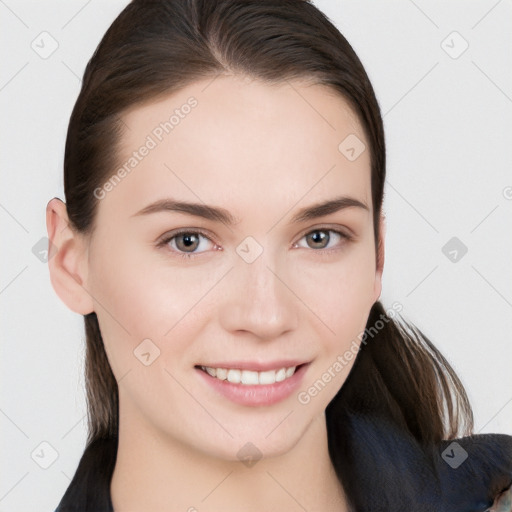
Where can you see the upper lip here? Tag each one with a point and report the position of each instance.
(257, 366)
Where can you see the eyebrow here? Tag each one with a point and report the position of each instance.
(218, 214)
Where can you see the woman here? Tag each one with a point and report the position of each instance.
(224, 174)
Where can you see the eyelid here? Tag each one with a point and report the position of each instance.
(179, 231)
(346, 232)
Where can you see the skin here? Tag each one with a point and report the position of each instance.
(262, 152)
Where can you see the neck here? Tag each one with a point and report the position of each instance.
(153, 475)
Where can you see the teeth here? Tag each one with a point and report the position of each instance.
(234, 376)
(281, 375)
(248, 377)
(268, 377)
(222, 373)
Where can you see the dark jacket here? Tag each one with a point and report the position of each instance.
(390, 472)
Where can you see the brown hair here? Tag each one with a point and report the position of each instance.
(156, 47)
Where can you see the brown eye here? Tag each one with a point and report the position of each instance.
(187, 242)
(322, 238)
(318, 239)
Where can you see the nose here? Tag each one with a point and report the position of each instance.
(259, 299)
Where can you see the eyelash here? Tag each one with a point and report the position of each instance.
(345, 236)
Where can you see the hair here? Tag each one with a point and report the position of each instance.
(155, 48)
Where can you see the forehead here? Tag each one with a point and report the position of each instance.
(238, 142)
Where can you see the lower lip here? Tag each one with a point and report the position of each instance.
(256, 395)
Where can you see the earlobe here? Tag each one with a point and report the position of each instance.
(67, 260)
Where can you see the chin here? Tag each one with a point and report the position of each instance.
(258, 442)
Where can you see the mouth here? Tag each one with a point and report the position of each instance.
(251, 377)
(253, 385)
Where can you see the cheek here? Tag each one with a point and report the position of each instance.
(342, 298)
(140, 298)
(339, 292)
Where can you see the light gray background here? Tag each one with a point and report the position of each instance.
(448, 130)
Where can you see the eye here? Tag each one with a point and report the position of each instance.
(189, 243)
(320, 238)
(186, 243)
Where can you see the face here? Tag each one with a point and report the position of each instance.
(192, 299)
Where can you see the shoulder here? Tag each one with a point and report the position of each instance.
(89, 490)
(480, 467)
(391, 470)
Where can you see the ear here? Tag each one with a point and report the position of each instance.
(67, 259)
(380, 258)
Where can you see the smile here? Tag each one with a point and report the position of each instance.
(249, 377)
(249, 387)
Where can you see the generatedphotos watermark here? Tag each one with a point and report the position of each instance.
(343, 360)
(152, 140)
